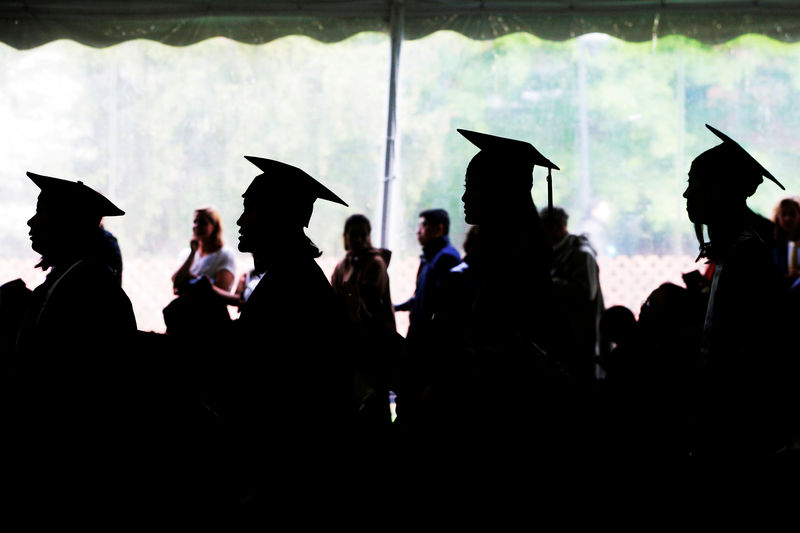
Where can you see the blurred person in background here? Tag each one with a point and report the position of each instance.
(787, 234)
(361, 278)
(438, 257)
(207, 255)
(361, 283)
(576, 290)
(203, 282)
(419, 353)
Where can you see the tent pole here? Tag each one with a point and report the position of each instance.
(397, 20)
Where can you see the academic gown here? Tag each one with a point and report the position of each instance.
(72, 347)
(288, 385)
(77, 404)
(746, 363)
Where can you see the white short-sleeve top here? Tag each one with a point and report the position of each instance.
(209, 265)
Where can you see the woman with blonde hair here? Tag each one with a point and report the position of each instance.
(208, 257)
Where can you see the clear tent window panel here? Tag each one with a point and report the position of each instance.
(163, 131)
(622, 120)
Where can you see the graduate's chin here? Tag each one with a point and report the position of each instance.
(693, 216)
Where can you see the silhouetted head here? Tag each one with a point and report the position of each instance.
(207, 226)
(433, 224)
(555, 225)
(669, 316)
(67, 218)
(617, 324)
(499, 177)
(357, 231)
(720, 181)
(277, 206)
(787, 219)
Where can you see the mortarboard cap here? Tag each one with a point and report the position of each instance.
(515, 150)
(285, 185)
(75, 195)
(741, 158)
(507, 148)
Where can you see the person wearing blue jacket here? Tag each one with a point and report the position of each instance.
(438, 257)
(419, 356)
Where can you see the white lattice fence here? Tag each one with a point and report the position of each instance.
(629, 281)
(625, 281)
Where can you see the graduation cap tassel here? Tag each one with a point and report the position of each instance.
(550, 194)
(705, 247)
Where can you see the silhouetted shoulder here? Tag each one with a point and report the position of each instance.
(82, 309)
(295, 285)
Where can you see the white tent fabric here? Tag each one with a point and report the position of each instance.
(27, 24)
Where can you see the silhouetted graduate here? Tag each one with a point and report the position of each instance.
(74, 309)
(494, 392)
(74, 399)
(290, 388)
(514, 260)
(744, 355)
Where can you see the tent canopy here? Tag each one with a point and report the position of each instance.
(100, 23)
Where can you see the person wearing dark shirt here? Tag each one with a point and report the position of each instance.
(361, 279)
(786, 229)
(438, 257)
(420, 355)
(577, 292)
(361, 284)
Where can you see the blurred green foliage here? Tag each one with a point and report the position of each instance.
(162, 130)
(622, 120)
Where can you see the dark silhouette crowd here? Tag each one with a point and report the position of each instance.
(512, 371)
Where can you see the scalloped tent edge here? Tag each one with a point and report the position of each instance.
(25, 25)
(101, 23)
